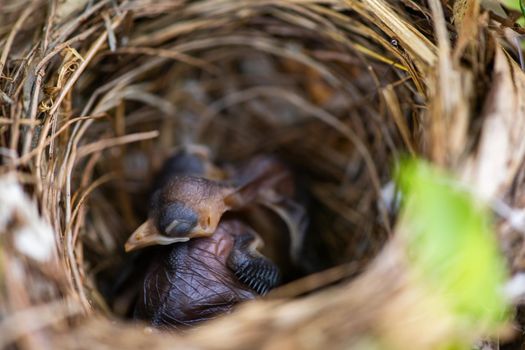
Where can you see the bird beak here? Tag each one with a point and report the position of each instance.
(147, 235)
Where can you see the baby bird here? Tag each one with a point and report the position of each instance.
(186, 196)
(206, 217)
(200, 279)
(188, 201)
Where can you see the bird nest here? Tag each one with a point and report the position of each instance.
(95, 95)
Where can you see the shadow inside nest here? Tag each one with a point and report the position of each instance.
(344, 223)
(271, 88)
(325, 245)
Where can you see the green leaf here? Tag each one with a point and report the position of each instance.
(516, 4)
(452, 246)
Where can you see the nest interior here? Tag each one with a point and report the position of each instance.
(96, 94)
(242, 81)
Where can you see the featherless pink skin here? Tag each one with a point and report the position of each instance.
(195, 281)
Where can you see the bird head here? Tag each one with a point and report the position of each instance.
(185, 207)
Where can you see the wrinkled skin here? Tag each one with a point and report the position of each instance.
(195, 281)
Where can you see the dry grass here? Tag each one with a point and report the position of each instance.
(95, 94)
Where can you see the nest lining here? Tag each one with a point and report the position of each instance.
(255, 90)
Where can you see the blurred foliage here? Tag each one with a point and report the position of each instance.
(516, 4)
(452, 245)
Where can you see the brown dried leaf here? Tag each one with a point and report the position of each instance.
(494, 6)
(502, 146)
(450, 104)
